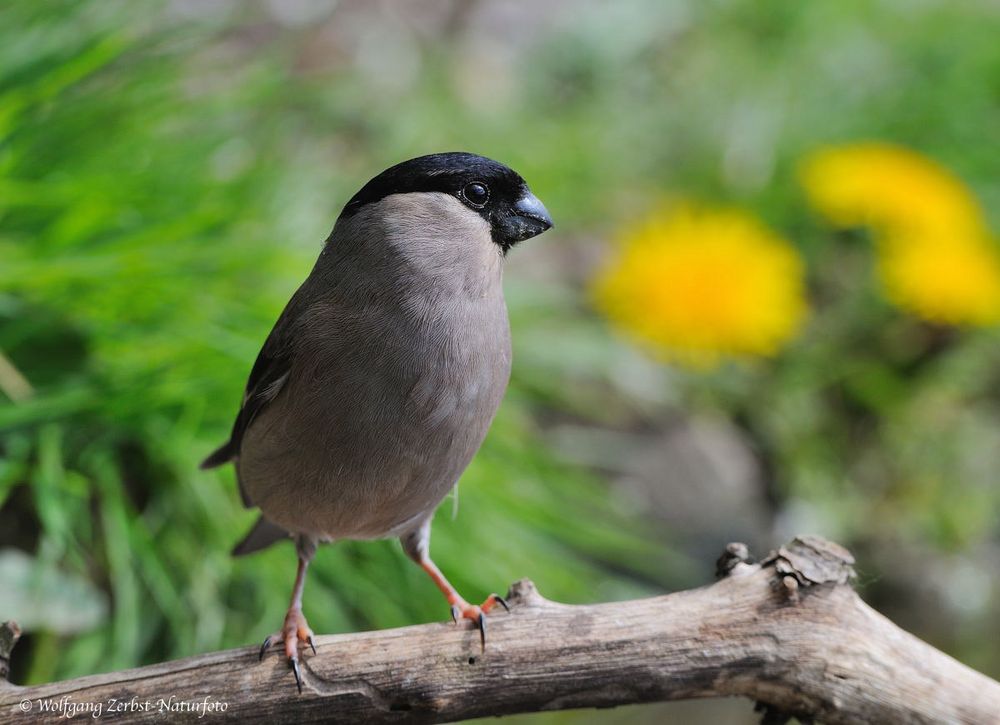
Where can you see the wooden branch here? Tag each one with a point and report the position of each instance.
(789, 632)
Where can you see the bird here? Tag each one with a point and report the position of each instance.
(381, 377)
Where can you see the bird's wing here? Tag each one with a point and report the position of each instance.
(268, 376)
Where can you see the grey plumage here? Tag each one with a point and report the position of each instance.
(400, 355)
(381, 377)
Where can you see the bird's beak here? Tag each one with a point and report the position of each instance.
(527, 218)
(532, 215)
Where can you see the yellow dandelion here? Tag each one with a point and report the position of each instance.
(936, 258)
(696, 284)
(889, 188)
(948, 280)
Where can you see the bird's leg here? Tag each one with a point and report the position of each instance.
(417, 544)
(461, 609)
(295, 628)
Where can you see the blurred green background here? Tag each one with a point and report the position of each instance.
(168, 171)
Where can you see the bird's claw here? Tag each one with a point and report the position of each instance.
(463, 610)
(297, 673)
(263, 647)
(295, 630)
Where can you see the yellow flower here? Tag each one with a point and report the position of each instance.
(948, 280)
(889, 188)
(696, 284)
(936, 258)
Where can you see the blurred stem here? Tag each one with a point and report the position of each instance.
(14, 385)
(124, 586)
(44, 657)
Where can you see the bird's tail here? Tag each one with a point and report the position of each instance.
(223, 454)
(262, 535)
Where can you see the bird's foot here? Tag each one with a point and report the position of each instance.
(461, 609)
(295, 630)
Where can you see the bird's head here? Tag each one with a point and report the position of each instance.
(485, 187)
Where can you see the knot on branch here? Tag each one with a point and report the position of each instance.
(810, 560)
(9, 634)
(734, 560)
(524, 593)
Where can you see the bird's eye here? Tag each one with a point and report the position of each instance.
(476, 193)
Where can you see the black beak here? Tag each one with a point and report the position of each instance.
(529, 219)
(534, 211)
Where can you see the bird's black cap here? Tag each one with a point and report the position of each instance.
(494, 191)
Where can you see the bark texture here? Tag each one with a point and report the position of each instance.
(788, 632)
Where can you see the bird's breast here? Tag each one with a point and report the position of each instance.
(378, 422)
